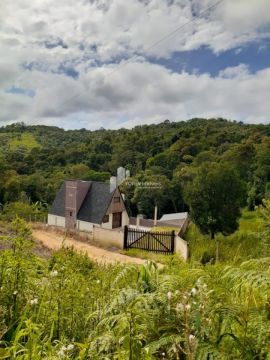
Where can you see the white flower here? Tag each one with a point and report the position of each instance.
(169, 295)
(193, 291)
(34, 301)
(191, 338)
(70, 347)
(54, 273)
(61, 353)
(163, 354)
(15, 292)
(179, 307)
(187, 307)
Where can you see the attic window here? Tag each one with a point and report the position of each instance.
(106, 219)
(116, 199)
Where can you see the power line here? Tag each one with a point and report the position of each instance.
(156, 43)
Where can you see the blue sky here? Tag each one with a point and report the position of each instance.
(90, 64)
(203, 60)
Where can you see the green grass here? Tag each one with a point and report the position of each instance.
(26, 140)
(151, 256)
(244, 244)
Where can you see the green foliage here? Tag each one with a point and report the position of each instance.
(215, 197)
(249, 241)
(35, 212)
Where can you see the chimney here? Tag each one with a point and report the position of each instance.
(75, 192)
(155, 216)
(121, 175)
(113, 183)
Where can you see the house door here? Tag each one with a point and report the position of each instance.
(117, 220)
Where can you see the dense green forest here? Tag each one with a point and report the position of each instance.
(34, 160)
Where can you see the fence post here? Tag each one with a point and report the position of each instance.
(125, 236)
(172, 241)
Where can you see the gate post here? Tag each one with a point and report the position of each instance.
(125, 236)
(172, 241)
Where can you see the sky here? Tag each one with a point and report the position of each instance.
(112, 63)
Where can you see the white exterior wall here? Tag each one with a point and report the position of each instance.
(181, 247)
(55, 220)
(108, 225)
(84, 226)
(125, 218)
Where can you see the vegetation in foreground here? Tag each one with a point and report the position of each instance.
(70, 308)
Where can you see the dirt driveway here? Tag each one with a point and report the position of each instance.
(54, 241)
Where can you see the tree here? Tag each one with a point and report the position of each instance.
(215, 197)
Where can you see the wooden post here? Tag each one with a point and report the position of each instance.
(138, 221)
(125, 236)
(172, 241)
(155, 216)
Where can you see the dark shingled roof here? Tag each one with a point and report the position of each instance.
(94, 206)
(58, 205)
(95, 203)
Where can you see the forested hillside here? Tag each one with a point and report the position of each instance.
(34, 160)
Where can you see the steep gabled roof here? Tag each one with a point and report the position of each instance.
(94, 206)
(96, 203)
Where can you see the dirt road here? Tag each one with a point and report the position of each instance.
(54, 241)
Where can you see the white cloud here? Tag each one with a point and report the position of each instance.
(83, 34)
(143, 92)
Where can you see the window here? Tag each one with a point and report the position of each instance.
(106, 219)
(116, 199)
(70, 213)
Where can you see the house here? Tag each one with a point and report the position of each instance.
(84, 204)
(178, 221)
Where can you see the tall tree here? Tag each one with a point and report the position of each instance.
(215, 197)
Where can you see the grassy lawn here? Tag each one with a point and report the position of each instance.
(26, 140)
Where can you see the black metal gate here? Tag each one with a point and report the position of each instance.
(159, 242)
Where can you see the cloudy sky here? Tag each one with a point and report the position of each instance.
(110, 63)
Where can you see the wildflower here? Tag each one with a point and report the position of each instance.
(70, 347)
(188, 307)
(193, 291)
(179, 307)
(191, 338)
(62, 351)
(169, 295)
(15, 292)
(98, 281)
(54, 273)
(34, 301)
